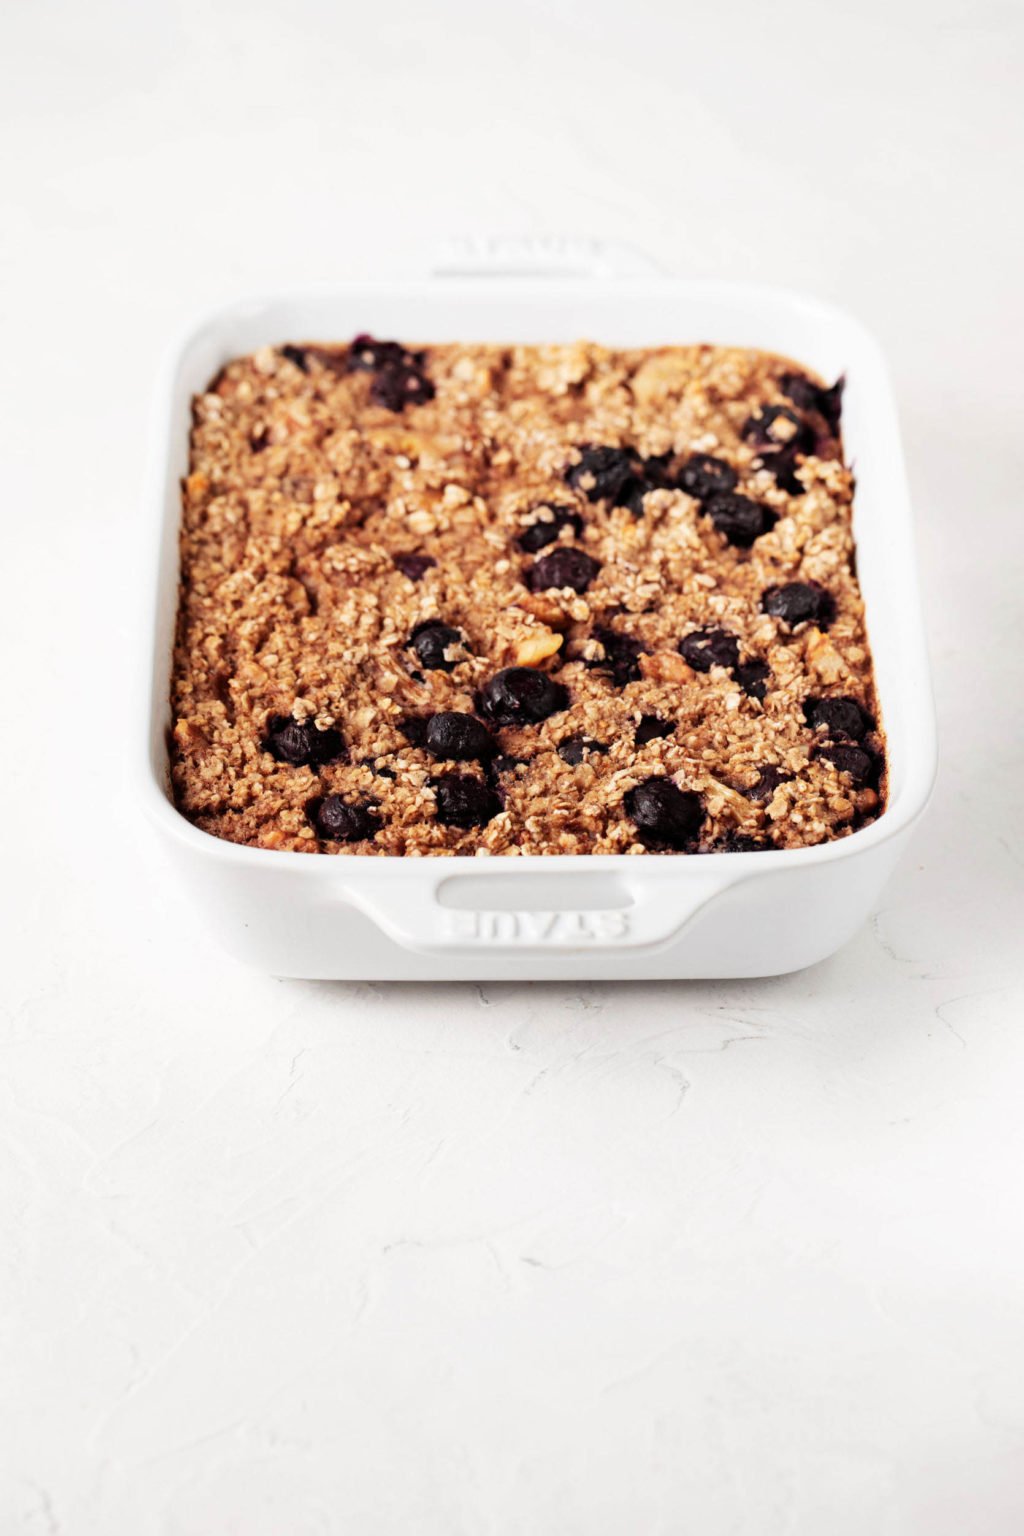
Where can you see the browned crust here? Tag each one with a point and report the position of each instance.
(301, 490)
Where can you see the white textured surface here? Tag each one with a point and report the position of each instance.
(289, 1259)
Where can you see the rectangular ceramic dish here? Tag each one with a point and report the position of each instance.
(609, 916)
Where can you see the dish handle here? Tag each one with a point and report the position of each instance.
(541, 256)
(559, 912)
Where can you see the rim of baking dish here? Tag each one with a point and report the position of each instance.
(152, 764)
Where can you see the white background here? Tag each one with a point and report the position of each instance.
(286, 1259)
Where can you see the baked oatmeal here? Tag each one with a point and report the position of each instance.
(477, 599)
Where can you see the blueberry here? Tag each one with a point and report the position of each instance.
(753, 677)
(396, 386)
(399, 377)
(707, 648)
(862, 766)
(776, 427)
(767, 782)
(414, 729)
(603, 474)
(840, 717)
(522, 696)
(301, 745)
(799, 602)
(784, 466)
(575, 748)
(338, 822)
(296, 355)
(654, 477)
(506, 764)
(741, 842)
(621, 656)
(652, 727)
(808, 396)
(538, 535)
(368, 355)
(414, 566)
(459, 737)
(382, 773)
(656, 471)
(563, 567)
(702, 475)
(632, 493)
(739, 518)
(431, 640)
(465, 802)
(572, 751)
(663, 814)
(617, 475)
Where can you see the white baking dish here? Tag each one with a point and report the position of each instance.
(609, 916)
